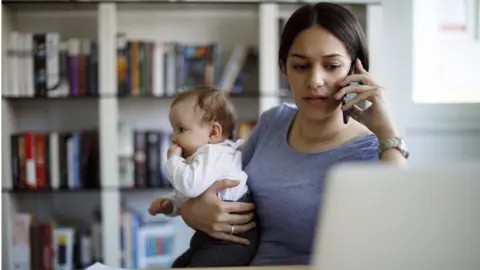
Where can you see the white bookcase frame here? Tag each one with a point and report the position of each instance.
(110, 198)
(109, 115)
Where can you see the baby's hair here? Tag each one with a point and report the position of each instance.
(215, 105)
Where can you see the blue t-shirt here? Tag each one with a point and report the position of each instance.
(287, 185)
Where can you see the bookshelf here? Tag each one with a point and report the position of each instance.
(252, 23)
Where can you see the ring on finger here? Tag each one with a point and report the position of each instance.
(233, 230)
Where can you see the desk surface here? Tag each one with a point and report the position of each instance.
(293, 267)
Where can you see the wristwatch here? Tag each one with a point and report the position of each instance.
(395, 142)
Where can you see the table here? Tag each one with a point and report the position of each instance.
(292, 267)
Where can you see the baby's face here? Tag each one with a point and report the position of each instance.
(188, 131)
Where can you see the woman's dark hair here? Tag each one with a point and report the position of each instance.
(336, 19)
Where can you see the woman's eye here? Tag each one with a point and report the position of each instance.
(332, 67)
(301, 67)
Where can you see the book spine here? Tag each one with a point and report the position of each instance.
(13, 57)
(54, 160)
(82, 67)
(158, 70)
(140, 159)
(15, 161)
(153, 159)
(40, 160)
(29, 69)
(150, 58)
(179, 67)
(122, 65)
(21, 223)
(40, 65)
(48, 254)
(93, 69)
(31, 180)
(141, 67)
(170, 70)
(52, 41)
(74, 72)
(22, 162)
(76, 160)
(134, 64)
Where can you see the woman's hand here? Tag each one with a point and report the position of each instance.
(376, 117)
(209, 214)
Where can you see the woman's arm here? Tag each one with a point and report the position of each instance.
(212, 216)
(376, 117)
(393, 156)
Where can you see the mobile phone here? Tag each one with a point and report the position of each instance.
(347, 97)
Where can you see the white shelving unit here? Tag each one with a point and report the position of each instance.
(229, 23)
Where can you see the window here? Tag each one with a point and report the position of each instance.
(446, 53)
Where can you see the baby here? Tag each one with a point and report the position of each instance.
(203, 152)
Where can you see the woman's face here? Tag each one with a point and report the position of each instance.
(316, 65)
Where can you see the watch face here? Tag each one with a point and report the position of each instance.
(402, 147)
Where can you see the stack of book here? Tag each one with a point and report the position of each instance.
(151, 68)
(44, 65)
(55, 160)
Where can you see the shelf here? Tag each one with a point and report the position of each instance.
(107, 96)
(82, 190)
(83, 3)
(51, 5)
(233, 96)
(145, 189)
(52, 98)
(236, 5)
(48, 191)
(158, 2)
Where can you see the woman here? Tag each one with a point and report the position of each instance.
(293, 146)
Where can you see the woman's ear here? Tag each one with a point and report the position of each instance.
(215, 132)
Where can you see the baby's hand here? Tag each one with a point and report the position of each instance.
(174, 150)
(161, 205)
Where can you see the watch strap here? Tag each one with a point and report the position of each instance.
(394, 142)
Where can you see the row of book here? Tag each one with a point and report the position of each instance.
(71, 160)
(44, 65)
(55, 160)
(141, 166)
(145, 245)
(53, 244)
(162, 69)
(47, 245)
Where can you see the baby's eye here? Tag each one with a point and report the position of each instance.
(181, 129)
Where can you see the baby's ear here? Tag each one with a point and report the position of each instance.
(215, 132)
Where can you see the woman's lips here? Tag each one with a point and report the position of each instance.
(314, 100)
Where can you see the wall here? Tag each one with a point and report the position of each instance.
(435, 133)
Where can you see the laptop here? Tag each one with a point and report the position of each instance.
(380, 217)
